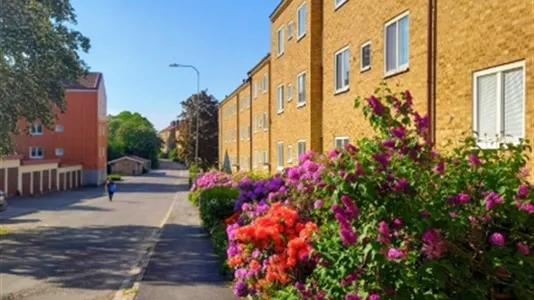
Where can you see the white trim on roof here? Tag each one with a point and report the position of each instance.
(126, 157)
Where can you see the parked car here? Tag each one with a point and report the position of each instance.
(3, 203)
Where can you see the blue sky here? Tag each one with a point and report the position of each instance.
(134, 41)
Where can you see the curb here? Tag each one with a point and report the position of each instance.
(130, 286)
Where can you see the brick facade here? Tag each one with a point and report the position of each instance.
(244, 125)
(469, 36)
(229, 131)
(261, 91)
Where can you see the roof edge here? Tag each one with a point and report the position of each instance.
(260, 64)
(235, 91)
(279, 9)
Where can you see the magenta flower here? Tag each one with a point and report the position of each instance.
(396, 224)
(395, 253)
(522, 191)
(425, 214)
(375, 105)
(389, 143)
(333, 154)
(352, 297)
(473, 159)
(352, 210)
(359, 169)
(409, 98)
(348, 237)
(492, 199)
(318, 204)
(373, 297)
(522, 248)
(528, 207)
(381, 158)
(433, 246)
(401, 185)
(383, 233)
(497, 239)
(398, 132)
(351, 148)
(463, 198)
(452, 214)
(440, 167)
(421, 124)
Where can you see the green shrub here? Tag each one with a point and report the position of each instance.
(217, 204)
(163, 155)
(114, 177)
(193, 196)
(219, 239)
(173, 154)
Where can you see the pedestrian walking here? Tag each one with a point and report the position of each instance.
(111, 188)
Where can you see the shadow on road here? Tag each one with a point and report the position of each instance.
(18, 221)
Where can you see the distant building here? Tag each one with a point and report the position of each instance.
(129, 165)
(166, 133)
(79, 137)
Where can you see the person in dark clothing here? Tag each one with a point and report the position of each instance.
(110, 187)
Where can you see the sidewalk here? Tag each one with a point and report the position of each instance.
(183, 265)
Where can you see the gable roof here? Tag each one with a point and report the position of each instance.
(89, 82)
(130, 157)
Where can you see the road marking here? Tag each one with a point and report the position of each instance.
(130, 286)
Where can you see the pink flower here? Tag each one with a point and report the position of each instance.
(383, 233)
(352, 297)
(395, 253)
(463, 198)
(396, 224)
(359, 169)
(381, 158)
(373, 297)
(408, 97)
(473, 159)
(351, 208)
(452, 214)
(375, 105)
(528, 207)
(497, 239)
(401, 185)
(492, 199)
(333, 154)
(425, 214)
(421, 124)
(433, 246)
(440, 167)
(522, 191)
(522, 248)
(389, 143)
(351, 148)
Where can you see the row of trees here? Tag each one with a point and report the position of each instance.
(38, 53)
(208, 133)
(132, 134)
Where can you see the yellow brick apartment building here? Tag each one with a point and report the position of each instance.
(468, 64)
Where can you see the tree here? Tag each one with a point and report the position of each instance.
(131, 133)
(38, 56)
(208, 130)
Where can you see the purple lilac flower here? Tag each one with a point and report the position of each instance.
(396, 224)
(240, 289)
(497, 239)
(351, 149)
(348, 237)
(373, 297)
(381, 158)
(383, 233)
(401, 185)
(440, 167)
(425, 214)
(421, 124)
(389, 143)
(463, 198)
(492, 199)
(375, 105)
(350, 207)
(398, 132)
(473, 159)
(318, 204)
(352, 297)
(522, 191)
(394, 253)
(528, 207)
(240, 273)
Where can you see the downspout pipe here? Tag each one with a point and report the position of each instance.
(430, 72)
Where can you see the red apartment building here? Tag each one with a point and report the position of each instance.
(78, 139)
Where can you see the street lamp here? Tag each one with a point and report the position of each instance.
(175, 65)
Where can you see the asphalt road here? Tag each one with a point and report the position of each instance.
(77, 244)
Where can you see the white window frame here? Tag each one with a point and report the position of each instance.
(60, 128)
(399, 68)
(341, 138)
(255, 124)
(280, 99)
(499, 70)
(300, 34)
(265, 83)
(255, 89)
(289, 30)
(60, 150)
(289, 92)
(289, 154)
(280, 41)
(300, 142)
(265, 122)
(36, 156)
(256, 158)
(34, 127)
(362, 67)
(339, 3)
(344, 87)
(265, 159)
(301, 103)
(280, 155)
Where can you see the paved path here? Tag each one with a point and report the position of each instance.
(78, 245)
(183, 266)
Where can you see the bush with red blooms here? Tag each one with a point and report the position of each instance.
(390, 218)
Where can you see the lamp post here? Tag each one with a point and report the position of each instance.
(197, 105)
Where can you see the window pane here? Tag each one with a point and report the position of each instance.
(302, 20)
(391, 53)
(346, 66)
(404, 33)
(366, 56)
(487, 107)
(513, 103)
(339, 66)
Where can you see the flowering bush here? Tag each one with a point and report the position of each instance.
(393, 219)
(209, 180)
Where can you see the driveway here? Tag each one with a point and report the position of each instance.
(77, 244)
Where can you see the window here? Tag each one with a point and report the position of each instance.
(301, 148)
(36, 129)
(280, 99)
(36, 152)
(265, 157)
(340, 142)
(289, 31)
(59, 128)
(301, 21)
(255, 159)
(499, 104)
(280, 155)
(365, 57)
(59, 151)
(248, 132)
(342, 69)
(301, 86)
(338, 3)
(289, 92)
(280, 34)
(255, 124)
(265, 122)
(247, 100)
(289, 154)
(396, 45)
(255, 89)
(265, 83)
